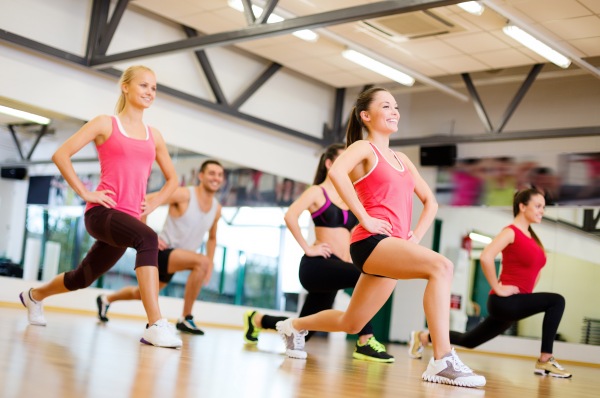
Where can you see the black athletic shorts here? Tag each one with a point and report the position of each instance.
(163, 266)
(362, 249)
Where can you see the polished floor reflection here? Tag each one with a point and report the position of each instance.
(75, 356)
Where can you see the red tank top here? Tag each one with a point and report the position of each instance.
(386, 193)
(522, 261)
(125, 165)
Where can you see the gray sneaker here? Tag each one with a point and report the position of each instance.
(293, 339)
(450, 370)
(35, 309)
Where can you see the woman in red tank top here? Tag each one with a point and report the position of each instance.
(126, 150)
(511, 298)
(378, 185)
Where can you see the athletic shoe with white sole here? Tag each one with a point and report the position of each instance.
(551, 368)
(35, 309)
(293, 339)
(415, 348)
(187, 325)
(161, 334)
(450, 370)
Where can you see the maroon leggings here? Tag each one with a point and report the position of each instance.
(114, 232)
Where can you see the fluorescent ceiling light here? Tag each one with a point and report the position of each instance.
(24, 115)
(472, 7)
(305, 34)
(378, 67)
(480, 238)
(537, 46)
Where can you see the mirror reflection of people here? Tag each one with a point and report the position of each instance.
(193, 211)
(378, 185)
(511, 297)
(325, 267)
(127, 148)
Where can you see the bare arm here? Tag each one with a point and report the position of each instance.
(163, 159)
(211, 245)
(98, 130)
(505, 238)
(353, 160)
(425, 195)
(303, 203)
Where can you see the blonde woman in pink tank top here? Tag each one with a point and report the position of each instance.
(127, 148)
(378, 185)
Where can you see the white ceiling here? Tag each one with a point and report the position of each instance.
(472, 43)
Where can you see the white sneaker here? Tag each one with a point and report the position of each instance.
(161, 334)
(35, 309)
(293, 339)
(450, 370)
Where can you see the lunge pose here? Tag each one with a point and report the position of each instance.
(325, 267)
(127, 148)
(511, 298)
(193, 211)
(378, 185)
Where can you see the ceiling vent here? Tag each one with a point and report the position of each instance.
(410, 26)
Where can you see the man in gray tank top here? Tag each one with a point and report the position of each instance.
(193, 211)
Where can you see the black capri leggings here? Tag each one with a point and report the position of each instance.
(114, 232)
(322, 278)
(504, 311)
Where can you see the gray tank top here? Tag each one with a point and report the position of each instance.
(187, 231)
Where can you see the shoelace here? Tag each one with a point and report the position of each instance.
(376, 345)
(458, 365)
(299, 339)
(553, 362)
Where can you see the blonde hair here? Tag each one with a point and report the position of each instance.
(126, 78)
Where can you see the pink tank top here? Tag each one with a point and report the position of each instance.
(386, 193)
(125, 165)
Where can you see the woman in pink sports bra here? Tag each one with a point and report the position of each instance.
(127, 148)
(378, 185)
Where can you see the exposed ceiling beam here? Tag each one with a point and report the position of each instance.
(261, 31)
(519, 22)
(506, 136)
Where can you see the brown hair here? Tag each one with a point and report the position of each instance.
(355, 124)
(126, 78)
(205, 164)
(331, 152)
(523, 197)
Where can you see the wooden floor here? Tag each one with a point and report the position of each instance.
(75, 356)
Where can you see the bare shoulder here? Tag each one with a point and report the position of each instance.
(101, 122)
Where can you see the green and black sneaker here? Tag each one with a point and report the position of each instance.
(251, 331)
(373, 351)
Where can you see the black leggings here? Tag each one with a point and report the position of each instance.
(322, 278)
(504, 311)
(114, 232)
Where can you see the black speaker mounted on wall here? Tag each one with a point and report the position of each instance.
(441, 155)
(14, 173)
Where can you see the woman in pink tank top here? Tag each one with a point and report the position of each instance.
(378, 185)
(127, 148)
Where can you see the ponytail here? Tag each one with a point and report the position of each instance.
(355, 125)
(329, 154)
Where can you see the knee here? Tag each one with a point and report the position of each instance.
(148, 239)
(353, 326)
(560, 301)
(443, 268)
(76, 279)
(201, 263)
